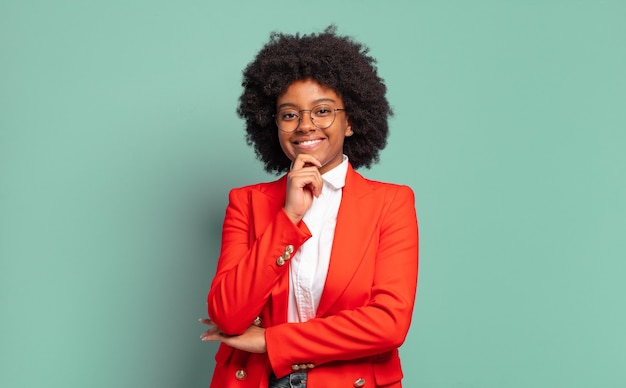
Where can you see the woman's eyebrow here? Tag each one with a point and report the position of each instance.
(286, 105)
(315, 102)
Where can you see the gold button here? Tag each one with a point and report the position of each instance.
(257, 321)
(295, 367)
(280, 262)
(303, 366)
(360, 382)
(241, 374)
(289, 249)
(286, 256)
(310, 366)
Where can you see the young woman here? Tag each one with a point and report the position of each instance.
(316, 279)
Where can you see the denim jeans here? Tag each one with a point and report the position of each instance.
(293, 380)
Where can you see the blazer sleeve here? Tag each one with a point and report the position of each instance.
(379, 326)
(247, 269)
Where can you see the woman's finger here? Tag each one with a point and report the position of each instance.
(212, 334)
(307, 177)
(206, 321)
(305, 160)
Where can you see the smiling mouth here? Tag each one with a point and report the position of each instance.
(308, 142)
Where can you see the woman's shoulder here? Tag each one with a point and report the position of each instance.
(383, 186)
(268, 187)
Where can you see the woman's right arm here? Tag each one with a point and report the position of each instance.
(248, 267)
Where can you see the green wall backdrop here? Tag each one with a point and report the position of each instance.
(119, 143)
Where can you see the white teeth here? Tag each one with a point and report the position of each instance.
(309, 142)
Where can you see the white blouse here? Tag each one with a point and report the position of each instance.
(309, 266)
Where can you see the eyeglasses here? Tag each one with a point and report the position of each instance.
(322, 116)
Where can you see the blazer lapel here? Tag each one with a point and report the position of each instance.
(355, 225)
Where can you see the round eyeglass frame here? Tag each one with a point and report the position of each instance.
(311, 116)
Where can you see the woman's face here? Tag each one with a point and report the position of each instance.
(326, 145)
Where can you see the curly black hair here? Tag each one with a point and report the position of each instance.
(338, 62)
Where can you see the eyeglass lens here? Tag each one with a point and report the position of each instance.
(322, 117)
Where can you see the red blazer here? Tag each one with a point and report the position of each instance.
(366, 306)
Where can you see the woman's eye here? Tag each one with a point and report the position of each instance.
(288, 116)
(322, 111)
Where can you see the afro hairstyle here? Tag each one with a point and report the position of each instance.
(337, 62)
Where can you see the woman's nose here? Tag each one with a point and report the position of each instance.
(306, 123)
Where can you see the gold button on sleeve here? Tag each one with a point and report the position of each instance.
(280, 262)
(241, 374)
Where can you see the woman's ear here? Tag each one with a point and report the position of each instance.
(349, 132)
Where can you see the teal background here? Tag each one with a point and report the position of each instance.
(119, 144)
